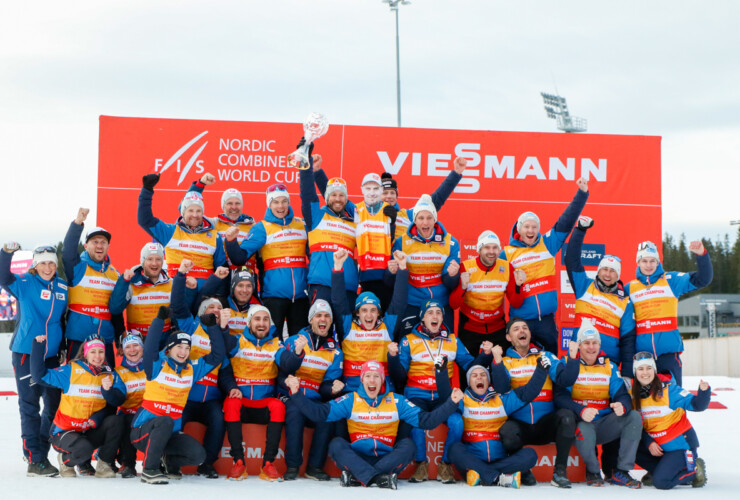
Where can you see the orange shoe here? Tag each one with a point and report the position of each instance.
(270, 473)
(238, 471)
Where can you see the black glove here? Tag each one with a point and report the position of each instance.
(209, 319)
(149, 181)
(585, 222)
(543, 361)
(164, 312)
(301, 144)
(391, 212)
(440, 363)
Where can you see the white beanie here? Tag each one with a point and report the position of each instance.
(254, 310)
(647, 249)
(335, 184)
(611, 262)
(228, 194)
(487, 238)
(372, 178)
(644, 358)
(470, 372)
(276, 193)
(204, 305)
(527, 216)
(152, 248)
(320, 306)
(44, 253)
(425, 203)
(587, 332)
(191, 198)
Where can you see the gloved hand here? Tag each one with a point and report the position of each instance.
(149, 181)
(302, 142)
(543, 361)
(209, 319)
(585, 222)
(164, 312)
(440, 362)
(391, 212)
(11, 246)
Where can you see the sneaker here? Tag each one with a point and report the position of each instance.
(347, 479)
(623, 478)
(268, 472)
(701, 474)
(104, 469)
(388, 481)
(510, 480)
(42, 469)
(594, 479)
(127, 471)
(528, 478)
(169, 470)
(154, 476)
(445, 474)
(560, 478)
(316, 473)
(207, 470)
(472, 478)
(421, 473)
(86, 469)
(65, 470)
(291, 473)
(238, 471)
(647, 479)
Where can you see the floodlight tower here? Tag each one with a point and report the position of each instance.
(393, 4)
(557, 109)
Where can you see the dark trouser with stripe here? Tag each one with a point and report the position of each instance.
(559, 426)
(267, 411)
(365, 468)
(295, 422)
(545, 331)
(126, 451)
(35, 424)
(669, 470)
(464, 460)
(671, 362)
(211, 415)
(77, 447)
(154, 438)
(295, 313)
(455, 429)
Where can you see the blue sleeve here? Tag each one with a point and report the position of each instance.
(317, 412)
(682, 283)
(6, 277)
(679, 397)
(407, 411)
(240, 253)
(334, 372)
(563, 399)
(157, 229)
(464, 359)
(116, 395)
(226, 380)
(627, 340)
(70, 255)
(445, 189)
(100, 415)
(431, 419)
(339, 296)
(404, 354)
(512, 400)
(151, 347)
(576, 272)
(180, 308)
(400, 293)
(207, 363)
(529, 391)
(58, 377)
(564, 372)
(556, 236)
(618, 391)
(119, 296)
(322, 180)
(197, 187)
(450, 282)
(288, 361)
(219, 256)
(210, 288)
(308, 197)
(500, 379)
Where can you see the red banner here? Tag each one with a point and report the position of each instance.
(508, 173)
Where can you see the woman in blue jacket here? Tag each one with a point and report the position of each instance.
(42, 301)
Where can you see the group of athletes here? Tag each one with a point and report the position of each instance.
(227, 320)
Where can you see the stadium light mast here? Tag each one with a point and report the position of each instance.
(557, 109)
(393, 4)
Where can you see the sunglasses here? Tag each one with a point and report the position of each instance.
(277, 187)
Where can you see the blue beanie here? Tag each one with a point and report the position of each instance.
(367, 298)
(428, 305)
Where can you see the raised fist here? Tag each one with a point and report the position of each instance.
(11, 246)
(208, 179)
(149, 181)
(128, 274)
(300, 344)
(585, 222)
(393, 349)
(543, 361)
(340, 256)
(222, 272)
(337, 386)
(293, 383)
(224, 316)
(457, 395)
(573, 349)
(81, 216)
(464, 280)
(393, 266)
(185, 266)
(390, 212)
(106, 383)
(191, 283)
(486, 346)
(520, 277)
(498, 353)
(232, 233)
(460, 164)
(697, 247)
(317, 161)
(582, 184)
(400, 258)
(453, 268)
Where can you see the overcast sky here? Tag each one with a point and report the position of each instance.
(664, 68)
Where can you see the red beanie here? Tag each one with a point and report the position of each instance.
(372, 366)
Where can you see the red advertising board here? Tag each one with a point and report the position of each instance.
(508, 173)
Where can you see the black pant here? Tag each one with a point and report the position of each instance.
(126, 451)
(545, 331)
(35, 423)
(559, 426)
(472, 341)
(155, 438)
(295, 313)
(295, 422)
(210, 414)
(363, 467)
(465, 460)
(77, 447)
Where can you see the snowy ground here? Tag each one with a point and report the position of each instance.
(717, 430)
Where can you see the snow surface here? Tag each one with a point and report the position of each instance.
(717, 430)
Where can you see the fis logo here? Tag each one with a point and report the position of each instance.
(161, 167)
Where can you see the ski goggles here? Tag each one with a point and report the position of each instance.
(44, 249)
(642, 356)
(277, 187)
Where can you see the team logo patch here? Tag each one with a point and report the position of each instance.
(60, 295)
(45, 294)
